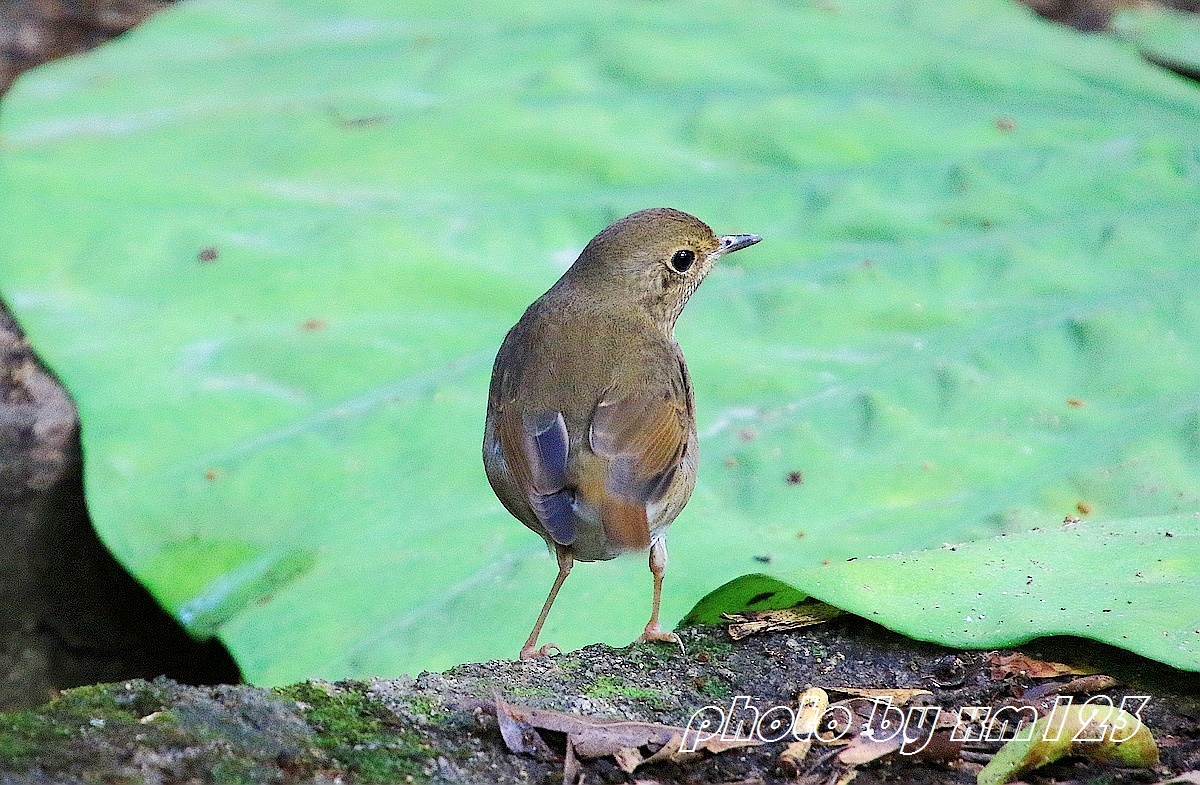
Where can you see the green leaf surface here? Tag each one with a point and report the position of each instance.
(272, 248)
(1129, 583)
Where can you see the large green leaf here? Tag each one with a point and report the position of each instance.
(1129, 583)
(973, 310)
(1132, 584)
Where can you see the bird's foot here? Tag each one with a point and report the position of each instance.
(547, 651)
(656, 634)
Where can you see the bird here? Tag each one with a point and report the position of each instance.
(590, 437)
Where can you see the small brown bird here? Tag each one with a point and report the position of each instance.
(591, 434)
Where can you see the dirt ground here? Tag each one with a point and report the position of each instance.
(447, 728)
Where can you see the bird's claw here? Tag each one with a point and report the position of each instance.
(547, 651)
(657, 635)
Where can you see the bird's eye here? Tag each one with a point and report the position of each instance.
(683, 259)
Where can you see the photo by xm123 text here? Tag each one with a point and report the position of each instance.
(879, 718)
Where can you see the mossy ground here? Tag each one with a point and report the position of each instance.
(117, 732)
(359, 734)
(431, 728)
(25, 735)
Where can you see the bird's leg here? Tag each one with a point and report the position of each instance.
(658, 565)
(530, 651)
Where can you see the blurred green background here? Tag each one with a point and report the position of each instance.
(272, 247)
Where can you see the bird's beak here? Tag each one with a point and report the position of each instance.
(736, 242)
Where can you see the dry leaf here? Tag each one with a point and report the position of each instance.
(512, 730)
(518, 734)
(812, 703)
(940, 747)
(1086, 685)
(865, 748)
(884, 734)
(899, 696)
(847, 776)
(572, 772)
(593, 737)
(628, 759)
(795, 753)
(670, 751)
(805, 614)
(1018, 664)
(597, 737)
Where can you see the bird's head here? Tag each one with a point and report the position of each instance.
(655, 258)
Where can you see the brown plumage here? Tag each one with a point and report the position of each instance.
(591, 435)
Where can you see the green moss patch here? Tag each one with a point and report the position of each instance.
(60, 734)
(359, 733)
(609, 687)
(215, 734)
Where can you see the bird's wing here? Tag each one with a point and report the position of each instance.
(644, 437)
(535, 450)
